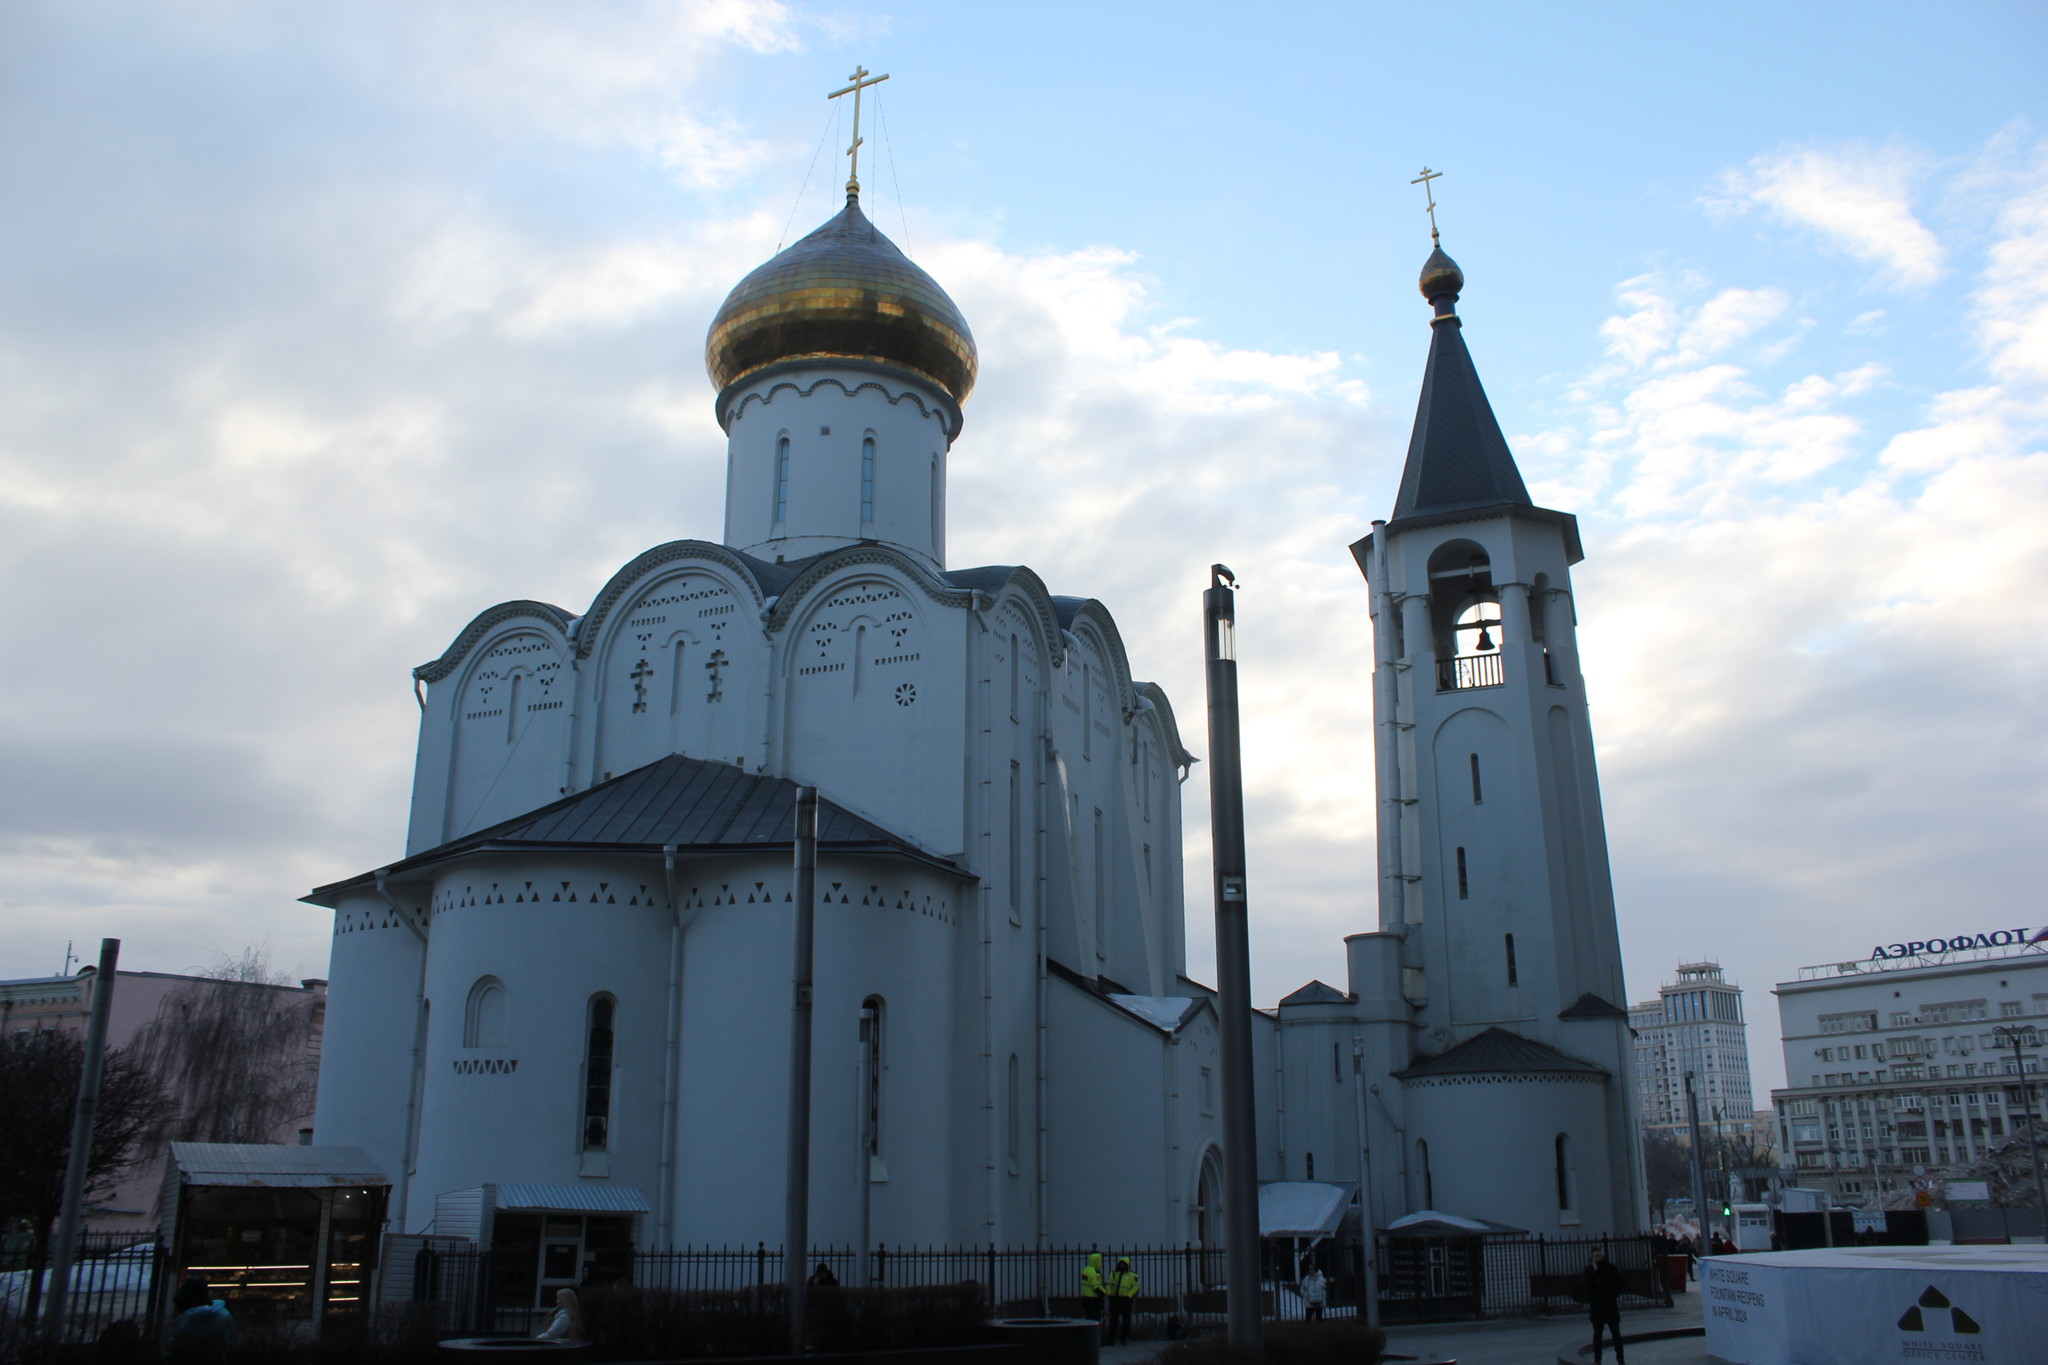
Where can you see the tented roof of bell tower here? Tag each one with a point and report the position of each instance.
(1457, 457)
(1459, 463)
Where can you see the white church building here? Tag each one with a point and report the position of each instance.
(567, 1006)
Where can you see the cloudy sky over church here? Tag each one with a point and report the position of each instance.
(323, 328)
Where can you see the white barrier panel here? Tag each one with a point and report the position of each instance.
(1879, 1306)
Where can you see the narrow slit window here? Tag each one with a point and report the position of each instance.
(781, 481)
(1511, 959)
(1016, 1117)
(1564, 1173)
(1477, 797)
(1464, 883)
(1101, 888)
(867, 480)
(1016, 843)
(597, 1076)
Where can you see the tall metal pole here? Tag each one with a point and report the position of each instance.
(1699, 1178)
(72, 1210)
(2013, 1036)
(796, 1221)
(1233, 964)
(1370, 1224)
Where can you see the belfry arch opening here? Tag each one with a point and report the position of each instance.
(1465, 617)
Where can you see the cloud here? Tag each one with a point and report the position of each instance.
(1857, 199)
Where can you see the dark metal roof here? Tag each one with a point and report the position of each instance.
(1457, 457)
(1316, 993)
(1498, 1052)
(697, 805)
(1591, 1006)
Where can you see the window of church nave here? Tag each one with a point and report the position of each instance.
(867, 479)
(1511, 958)
(1101, 852)
(1016, 842)
(781, 480)
(873, 1063)
(597, 1075)
(1567, 1181)
(483, 1022)
(1476, 790)
(1464, 884)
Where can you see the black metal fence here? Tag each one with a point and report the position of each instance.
(1421, 1278)
(116, 1277)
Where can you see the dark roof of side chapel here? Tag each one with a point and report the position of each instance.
(1316, 993)
(701, 806)
(1498, 1052)
(1591, 1006)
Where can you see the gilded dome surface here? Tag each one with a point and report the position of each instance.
(843, 293)
(1440, 275)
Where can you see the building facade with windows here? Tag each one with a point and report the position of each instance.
(1696, 1026)
(1896, 1062)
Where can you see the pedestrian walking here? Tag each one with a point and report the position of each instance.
(822, 1278)
(203, 1333)
(1601, 1285)
(1123, 1297)
(1315, 1292)
(1091, 1287)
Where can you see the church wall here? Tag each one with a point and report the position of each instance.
(883, 930)
(1128, 1113)
(681, 669)
(503, 722)
(372, 1017)
(825, 415)
(874, 711)
(514, 1109)
(1474, 1174)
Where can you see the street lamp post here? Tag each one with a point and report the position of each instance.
(2014, 1038)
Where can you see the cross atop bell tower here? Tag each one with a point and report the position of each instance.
(861, 81)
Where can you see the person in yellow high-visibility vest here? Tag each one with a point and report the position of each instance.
(1091, 1286)
(1123, 1297)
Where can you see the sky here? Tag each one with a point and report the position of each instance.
(324, 327)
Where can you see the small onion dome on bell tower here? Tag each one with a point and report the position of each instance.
(1441, 282)
(844, 293)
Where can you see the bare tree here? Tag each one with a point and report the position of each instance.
(234, 1052)
(39, 1075)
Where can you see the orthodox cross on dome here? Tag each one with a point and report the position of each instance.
(861, 81)
(1429, 192)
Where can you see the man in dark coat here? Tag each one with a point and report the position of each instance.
(1601, 1284)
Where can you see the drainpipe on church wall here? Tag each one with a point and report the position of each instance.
(671, 1079)
(988, 910)
(402, 1202)
(1385, 735)
(1039, 1038)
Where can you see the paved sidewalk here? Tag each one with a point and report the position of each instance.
(1515, 1341)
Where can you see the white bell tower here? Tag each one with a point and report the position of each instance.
(1493, 872)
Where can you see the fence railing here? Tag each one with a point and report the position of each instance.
(116, 1277)
(1420, 1277)
(1474, 670)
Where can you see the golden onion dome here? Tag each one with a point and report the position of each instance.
(1440, 275)
(843, 293)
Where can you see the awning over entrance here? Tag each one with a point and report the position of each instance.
(273, 1165)
(571, 1198)
(1303, 1208)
